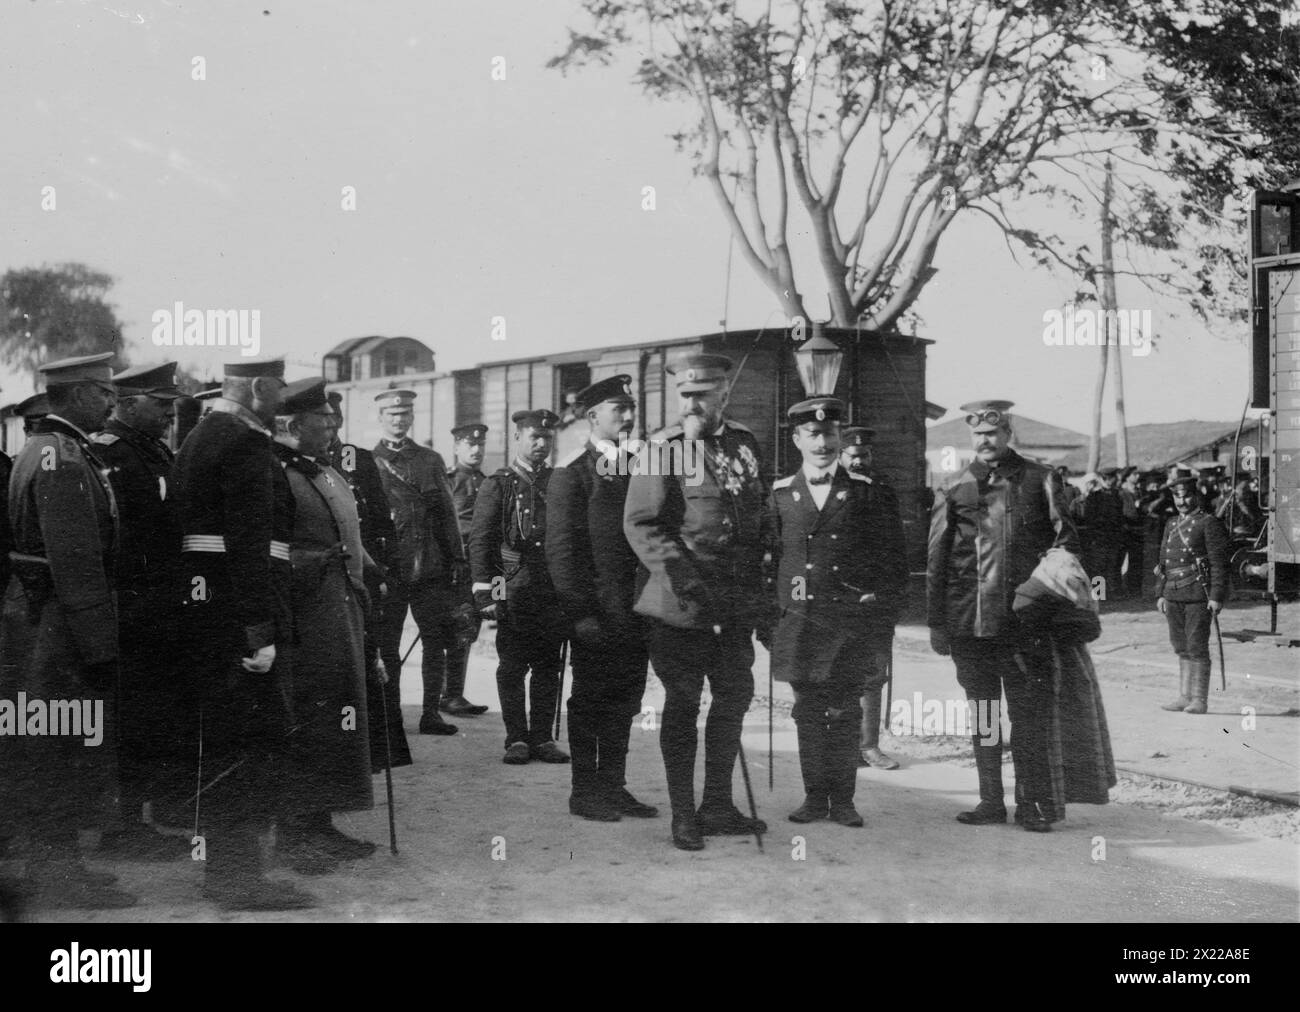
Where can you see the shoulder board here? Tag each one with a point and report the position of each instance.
(574, 457)
(737, 426)
(859, 477)
(104, 438)
(504, 472)
(672, 432)
(783, 482)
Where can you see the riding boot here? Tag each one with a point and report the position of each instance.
(588, 798)
(1184, 687)
(988, 765)
(841, 770)
(1199, 679)
(812, 764)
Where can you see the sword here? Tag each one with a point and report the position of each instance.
(749, 793)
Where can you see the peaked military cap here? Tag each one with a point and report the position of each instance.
(985, 416)
(1187, 480)
(470, 430)
(698, 372)
(1108, 472)
(81, 369)
(272, 368)
(396, 400)
(207, 395)
(612, 388)
(816, 409)
(35, 406)
(856, 435)
(538, 418)
(303, 395)
(154, 380)
(1211, 470)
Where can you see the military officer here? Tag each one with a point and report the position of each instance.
(58, 641)
(236, 513)
(384, 708)
(856, 458)
(701, 530)
(330, 762)
(466, 478)
(836, 583)
(995, 519)
(1191, 586)
(511, 582)
(159, 736)
(428, 572)
(594, 571)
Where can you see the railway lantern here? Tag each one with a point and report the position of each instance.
(818, 360)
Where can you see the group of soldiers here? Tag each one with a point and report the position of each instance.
(240, 609)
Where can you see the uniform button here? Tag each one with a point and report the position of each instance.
(835, 569)
(538, 544)
(809, 597)
(526, 511)
(809, 537)
(809, 566)
(834, 537)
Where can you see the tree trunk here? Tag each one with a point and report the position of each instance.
(1109, 305)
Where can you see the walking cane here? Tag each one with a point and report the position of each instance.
(749, 793)
(559, 696)
(771, 767)
(889, 686)
(388, 766)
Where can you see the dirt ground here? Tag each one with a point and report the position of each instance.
(481, 841)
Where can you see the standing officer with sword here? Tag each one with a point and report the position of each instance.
(1191, 586)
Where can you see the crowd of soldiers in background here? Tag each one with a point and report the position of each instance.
(1121, 514)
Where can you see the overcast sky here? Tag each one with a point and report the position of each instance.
(475, 198)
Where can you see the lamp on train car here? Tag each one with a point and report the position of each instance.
(818, 360)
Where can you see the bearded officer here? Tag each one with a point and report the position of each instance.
(993, 521)
(697, 518)
(358, 468)
(512, 584)
(856, 457)
(159, 735)
(1191, 586)
(594, 571)
(466, 479)
(58, 641)
(236, 513)
(429, 574)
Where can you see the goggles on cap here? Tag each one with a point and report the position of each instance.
(990, 416)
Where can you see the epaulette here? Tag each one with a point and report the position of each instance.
(859, 477)
(663, 435)
(105, 438)
(783, 482)
(573, 457)
(737, 426)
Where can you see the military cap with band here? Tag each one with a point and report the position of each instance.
(267, 368)
(35, 406)
(81, 369)
(856, 435)
(303, 395)
(207, 395)
(538, 418)
(612, 388)
(470, 430)
(816, 409)
(698, 372)
(1188, 480)
(151, 380)
(1108, 472)
(985, 416)
(396, 400)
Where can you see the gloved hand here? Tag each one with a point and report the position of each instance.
(588, 632)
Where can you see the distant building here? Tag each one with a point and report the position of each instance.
(363, 358)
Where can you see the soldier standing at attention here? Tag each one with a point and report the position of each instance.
(58, 641)
(465, 478)
(236, 514)
(1191, 586)
(511, 583)
(594, 570)
(159, 735)
(428, 574)
(856, 458)
(701, 531)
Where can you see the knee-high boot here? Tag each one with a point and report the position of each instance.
(1199, 681)
(988, 765)
(812, 765)
(1184, 687)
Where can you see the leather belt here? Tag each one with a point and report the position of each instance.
(217, 543)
